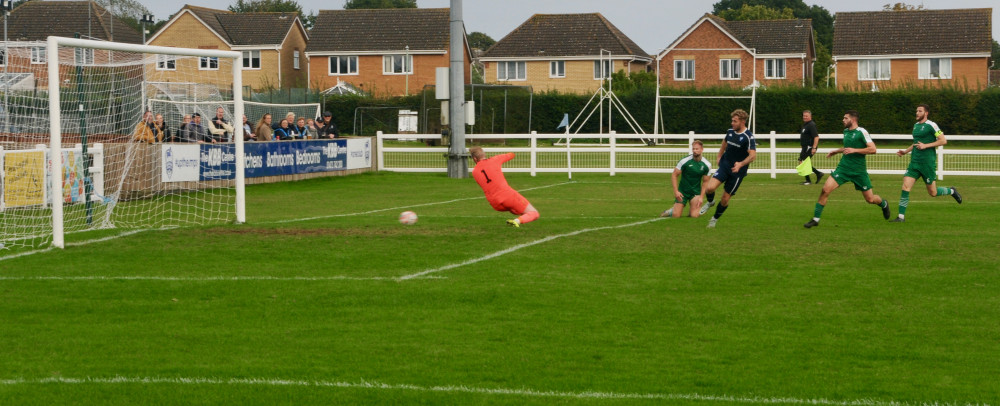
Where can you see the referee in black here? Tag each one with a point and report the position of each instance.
(809, 138)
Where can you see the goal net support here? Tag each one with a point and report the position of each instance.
(78, 155)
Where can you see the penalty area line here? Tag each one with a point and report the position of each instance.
(520, 246)
(207, 278)
(523, 392)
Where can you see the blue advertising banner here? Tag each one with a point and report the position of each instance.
(218, 161)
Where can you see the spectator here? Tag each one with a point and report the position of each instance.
(197, 132)
(184, 131)
(327, 128)
(161, 127)
(248, 134)
(283, 132)
(263, 129)
(220, 128)
(145, 130)
(312, 131)
(300, 128)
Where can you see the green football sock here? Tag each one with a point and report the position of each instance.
(884, 204)
(943, 191)
(818, 211)
(904, 200)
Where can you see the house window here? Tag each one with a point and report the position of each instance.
(774, 69)
(343, 65)
(3, 57)
(557, 69)
(397, 64)
(511, 70)
(934, 68)
(83, 56)
(38, 55)
(251, 59)
(729, 69)
(684, 69)
(295, 59)
(167, 62)
(874, 69)
(208, 63)
(602, 69)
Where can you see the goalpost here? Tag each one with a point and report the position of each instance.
(86, 100)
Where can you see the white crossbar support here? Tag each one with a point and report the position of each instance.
(774, 156)
(534, 152)
(55, 141)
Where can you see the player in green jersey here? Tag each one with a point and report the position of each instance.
(852, 168)
(688, 177)
(923, 164)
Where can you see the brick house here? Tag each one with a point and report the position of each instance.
(562, 52)
(27, 35)
(272, 45)
(385, 52)
(716, 52)
(879, 49)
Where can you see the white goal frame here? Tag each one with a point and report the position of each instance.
(55, 127)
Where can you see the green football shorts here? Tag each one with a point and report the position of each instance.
(861, 181)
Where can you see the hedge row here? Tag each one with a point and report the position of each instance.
(778, 109)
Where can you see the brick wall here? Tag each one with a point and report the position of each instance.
(579, 75)
(971, 73)
(291, 77)
(370, 78)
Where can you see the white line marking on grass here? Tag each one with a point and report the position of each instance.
(206, 278)
(410, 206)
(525, 392)
(525, 245)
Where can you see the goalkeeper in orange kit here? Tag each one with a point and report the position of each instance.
(501, 196)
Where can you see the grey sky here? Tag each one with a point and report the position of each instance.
(653, 24)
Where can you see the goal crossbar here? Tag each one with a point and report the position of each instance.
(55, 128)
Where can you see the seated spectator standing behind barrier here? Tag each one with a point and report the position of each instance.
(220, 128)
(198, 132)
(327, 128)
(145, 131)
(312, 131)
(283, 132)
(300, 128)
(263, 129)
(248, 134)
(161, 126)
(183, 132)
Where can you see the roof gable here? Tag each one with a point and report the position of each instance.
(564, 35)
(760, 36)
(37, 20)
(241, 29)
(375, 30)
(912, 32)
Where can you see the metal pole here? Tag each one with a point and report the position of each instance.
(81, 100)
(458, 165)
(406, 72)
(6, 61)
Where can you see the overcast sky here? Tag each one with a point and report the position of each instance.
(653, 24)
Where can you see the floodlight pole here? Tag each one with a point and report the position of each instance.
(458, 164)
(7, 6)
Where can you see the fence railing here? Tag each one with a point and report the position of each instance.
(626, 153)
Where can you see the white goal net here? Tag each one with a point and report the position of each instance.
(79, 106)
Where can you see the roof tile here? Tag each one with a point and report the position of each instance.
(564, 35)
(912, 32)
(380, 30)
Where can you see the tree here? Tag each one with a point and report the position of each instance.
(481, 41)
(264, 6)
(901, 7)
(758, 12)
(995, 55)
(361, 4)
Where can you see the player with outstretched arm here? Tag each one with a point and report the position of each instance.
(923, 164)
(738, 150)
(489, 175)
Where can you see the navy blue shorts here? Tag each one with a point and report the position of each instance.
(731, 180)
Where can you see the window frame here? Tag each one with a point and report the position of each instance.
(557, 69)
(3, 57)
(734, 66)
(295, 60)
(347, 59)
(248, 59)
(771, 65)
(166, 62)
(39, 56)
(88, 56)
(599, 65)
(925, 68)
(203, 59)
(688, 71)
(867, 62)
(390, 60)
(520, 69)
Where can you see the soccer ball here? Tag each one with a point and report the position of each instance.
(408, 217)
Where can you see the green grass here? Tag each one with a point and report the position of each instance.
(757, 309)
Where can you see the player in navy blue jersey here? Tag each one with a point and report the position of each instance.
(737, 152)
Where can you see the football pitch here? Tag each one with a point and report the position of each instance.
(324, 298)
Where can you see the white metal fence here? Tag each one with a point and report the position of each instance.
(614, 153)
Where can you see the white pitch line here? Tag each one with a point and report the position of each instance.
(524, 392)
(205, 278)
(520, 246)
(409, 206)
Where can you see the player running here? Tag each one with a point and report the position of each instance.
(737, 152)
(489, 175)
(923, 164)
(692, 171)
(852, 168)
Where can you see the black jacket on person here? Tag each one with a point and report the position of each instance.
(808, 134)
(326, 130)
